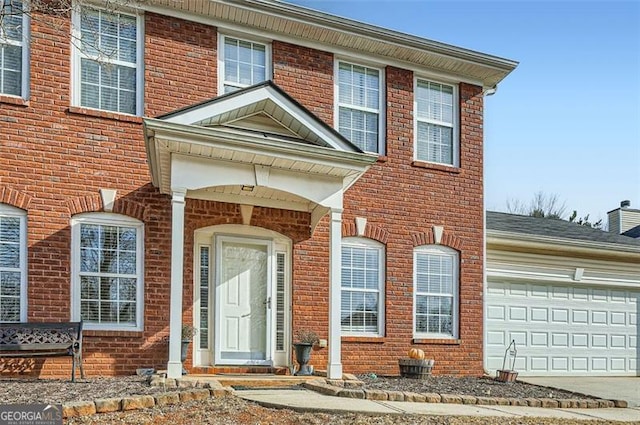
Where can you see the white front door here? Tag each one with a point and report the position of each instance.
(243, 294)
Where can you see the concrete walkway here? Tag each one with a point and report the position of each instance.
(305, 400)
(619, 388)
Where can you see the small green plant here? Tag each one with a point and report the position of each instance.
(305, 336)
(188, 332)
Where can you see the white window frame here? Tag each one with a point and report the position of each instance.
(454, 125)
(221, 65)
(106, 219)
(455, 311)
(359, 242)
(24, 44)
(10, 211)
(77, 54)
(381, 111)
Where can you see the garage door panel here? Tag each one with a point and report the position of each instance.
(563, 330)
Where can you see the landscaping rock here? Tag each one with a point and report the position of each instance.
(105, 405)
(533, 402)
(137, 402)
(351, 393)
(468, 399)
(432, 397)
(184, 383)
(167, 398)
(414, 397)
(501, 401)
(518, 402)
(486, 401)
(186, 396)
(593, 404)
(620, 403)
(450, 398)
(221, 392)
(395, 395)
(605, 403)
(548, 403)
(353, 384)
(376, 395)
(336, 382)
(201, 394)
(78, 408)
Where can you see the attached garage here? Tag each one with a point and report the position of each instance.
(563, 329)
(570, 301)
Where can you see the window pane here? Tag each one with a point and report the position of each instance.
(108, 293)
(244, 63)
(9, 255)
(9, 283)
(435, 296)
(105, 84)
(435, 143)
(12, 19)
(360, 273)
(359, 127)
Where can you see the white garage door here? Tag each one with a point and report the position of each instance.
(562, 330)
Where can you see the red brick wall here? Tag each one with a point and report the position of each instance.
(404, 199)
(56, 158)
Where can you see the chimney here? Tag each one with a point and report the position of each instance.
(624, 218)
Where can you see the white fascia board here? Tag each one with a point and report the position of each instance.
(243, 141)
(562, 244)
(355, 29)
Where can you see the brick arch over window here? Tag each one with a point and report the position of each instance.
(428, 238)
(15, 198)
(93, 203)
(371, 231)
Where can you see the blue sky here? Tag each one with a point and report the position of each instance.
(567, 120)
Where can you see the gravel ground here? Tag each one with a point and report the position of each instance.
(479, 387)
(58, 391)
(232, 411)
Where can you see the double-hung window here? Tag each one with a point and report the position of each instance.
(359, 106)
(107, 271)
(362, 296)
(243, 63)
(13, 264)
(14, 54)
(436, 134)
(435, 280)
(108, 61)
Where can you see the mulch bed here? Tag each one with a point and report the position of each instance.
(479, 387)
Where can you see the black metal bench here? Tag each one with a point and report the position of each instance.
(26, 340)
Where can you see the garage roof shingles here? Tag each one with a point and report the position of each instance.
(513, 223)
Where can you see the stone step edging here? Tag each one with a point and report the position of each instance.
(204, 391)
(355, 390)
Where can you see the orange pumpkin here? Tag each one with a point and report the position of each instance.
(416, 353)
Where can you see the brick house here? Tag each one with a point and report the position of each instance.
(249, 167)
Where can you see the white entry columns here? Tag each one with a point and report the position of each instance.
(334, 366)
(174, 367)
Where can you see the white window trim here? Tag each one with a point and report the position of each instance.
(24, 75)
(106, 219)
(438, 250)
(381, 111)
(455, 125)
(77, 54)
(221, 68)
(9, 211)
(360, 242)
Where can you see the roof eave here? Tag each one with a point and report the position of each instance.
(552, 244)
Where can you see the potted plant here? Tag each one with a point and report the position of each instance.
(305, 340)
(188, 332)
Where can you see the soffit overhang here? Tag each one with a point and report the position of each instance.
(330, 32)
(548, 245)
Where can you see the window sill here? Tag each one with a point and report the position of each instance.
(440, 167)
(13, 100)
(364, 339)
(116, 116)
(105, 333)
(437, 341)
